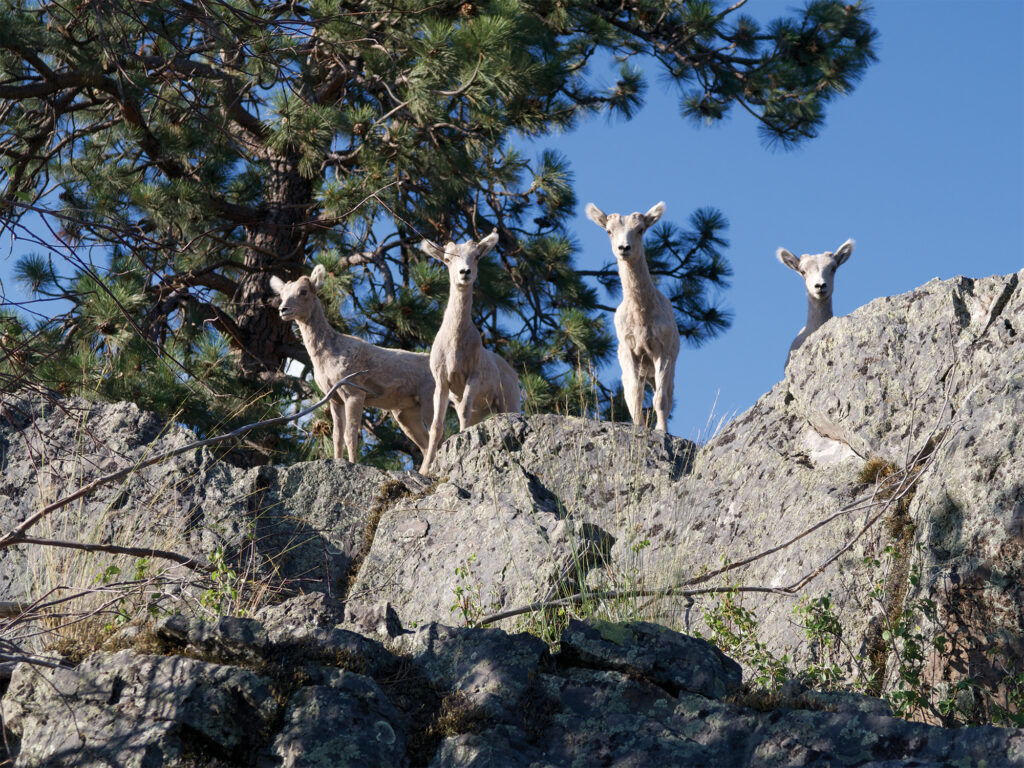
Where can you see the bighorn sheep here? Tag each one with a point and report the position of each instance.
(644, 322)
(477, 380)
(818, 272)
(395, 380)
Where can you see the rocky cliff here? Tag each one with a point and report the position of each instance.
(894, 448)
(884, 472)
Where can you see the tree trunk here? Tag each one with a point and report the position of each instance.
(277, 246)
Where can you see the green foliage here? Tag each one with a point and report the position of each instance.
(734, 629)
(1011, 711)
(184, 157)
(222, 597)
(134, 595)
(467, 602)
(824, 635)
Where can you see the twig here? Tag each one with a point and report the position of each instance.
(464, 87)
(114, 549)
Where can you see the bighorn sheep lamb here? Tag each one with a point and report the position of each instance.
(395, 380)
(477, 380)
(818, 272)
(644, 322)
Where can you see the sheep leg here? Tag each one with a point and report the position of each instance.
(353, 423)
(437, 423)
(664, 383)
(464, 408)
(427, 408)
(411, 422)
(632, 386)
(337, 406)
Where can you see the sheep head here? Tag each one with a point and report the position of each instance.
(818, 270)
(625, 232)
(462, 259)
(298, 296)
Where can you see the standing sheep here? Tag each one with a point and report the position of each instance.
(645, 323)
(478, 381)
(818, 272)
(395, 380)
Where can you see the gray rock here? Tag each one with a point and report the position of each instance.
(139, 711)
(492, 669)
(373, 620)
(674, 661)
(297, 617)
(303, 525)
(504, 745)
(875, 379)
(516, 552)
(279, 645)
(307, 521)
(49, 448)
(229, 637)
(346, 723)
(529, 508)
(606, 718)
(545, 499)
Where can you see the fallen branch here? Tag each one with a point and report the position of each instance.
(114, 549)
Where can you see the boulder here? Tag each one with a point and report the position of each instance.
(137, 710)
(347, 722)
(668, 659)
(303, 525)
(489, 670)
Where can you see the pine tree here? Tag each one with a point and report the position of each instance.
(187, 151)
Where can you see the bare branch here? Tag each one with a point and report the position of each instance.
(114, 549)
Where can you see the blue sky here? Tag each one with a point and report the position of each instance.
(923, 164)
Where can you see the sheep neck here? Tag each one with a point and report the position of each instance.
(317, 334)
(459, 312)
(818, 311)
(637, 286)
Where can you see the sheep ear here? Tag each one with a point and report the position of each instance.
(788, 259)
(276, 284)
(433, 250)
(484, 246)
(652, 216)
(318, 276)
(845, 251)
(596, 215)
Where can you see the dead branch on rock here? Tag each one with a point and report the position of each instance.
(113, 549)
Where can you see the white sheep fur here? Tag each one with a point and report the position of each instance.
(477, 380)
(644, 322)
(395, 380)
(818, 271)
